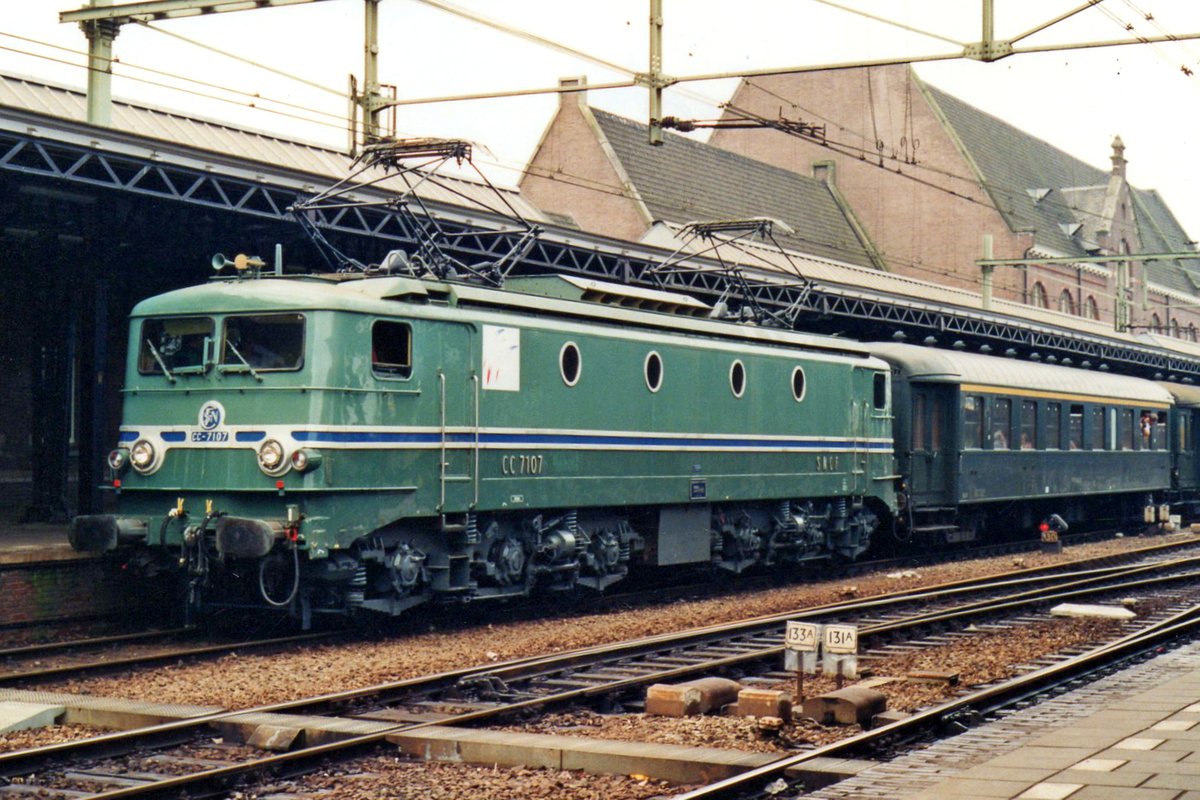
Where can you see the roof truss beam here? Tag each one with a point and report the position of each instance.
(830, 307)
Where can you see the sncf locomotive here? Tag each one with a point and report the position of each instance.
(346, 443)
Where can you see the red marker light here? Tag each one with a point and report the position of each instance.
(116, 483)
(278, 484)
(1045, 526)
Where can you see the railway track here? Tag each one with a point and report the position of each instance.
(486, 694)
(28, 665)
(965, 709)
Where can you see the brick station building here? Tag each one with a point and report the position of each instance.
(908, 179)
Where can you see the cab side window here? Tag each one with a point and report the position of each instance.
(391, 349)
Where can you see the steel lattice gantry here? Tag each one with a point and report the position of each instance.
(268, 195)
(174, 187)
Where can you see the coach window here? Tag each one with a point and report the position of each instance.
(570, 363)
(1001, 423)
(1053, 426)
(881, 391)
(1184, 440)
(918, 423)
(1158, 439)
(1098, 435)
(1075, 428)
(935, 424)
(1125, 429)
(391, 349)
(654, 371)
(1029, 440)
(972, 422)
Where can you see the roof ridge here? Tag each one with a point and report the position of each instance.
(1000, 121)
(687, 141)
(167, 111)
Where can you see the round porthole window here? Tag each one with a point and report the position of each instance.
(798, 386)
(654, 371)
(737, 378)
(569, 363)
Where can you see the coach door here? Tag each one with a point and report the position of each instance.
(931, 444)
(458, 402)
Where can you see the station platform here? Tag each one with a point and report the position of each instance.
(1134, 735)
(36, 542)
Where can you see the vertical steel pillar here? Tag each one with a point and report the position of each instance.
(988, 269)
(100, 35)
(655, 74)
(370, 95)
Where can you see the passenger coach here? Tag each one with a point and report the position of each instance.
(992, 445)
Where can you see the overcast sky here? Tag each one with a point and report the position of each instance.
(1077, 100)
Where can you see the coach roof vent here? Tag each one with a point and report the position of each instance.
(568, 287)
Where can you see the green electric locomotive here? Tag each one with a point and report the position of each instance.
(343, 442)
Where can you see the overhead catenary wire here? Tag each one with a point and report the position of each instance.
(249, 62)
(446, 7)
(252, 98)
(834, 246)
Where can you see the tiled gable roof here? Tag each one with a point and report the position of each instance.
(1017, 167)
(686, 181)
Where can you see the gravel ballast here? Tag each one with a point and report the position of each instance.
(241, 681)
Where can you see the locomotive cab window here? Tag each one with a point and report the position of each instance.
(175, 345)
(263, 342)
(881, 391)
(391, 349)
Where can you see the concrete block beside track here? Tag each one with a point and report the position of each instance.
(849, 706)
(17, 716)
(673, 763)
(700, 696)
(108, 712)
(764, 703)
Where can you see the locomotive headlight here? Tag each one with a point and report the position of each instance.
(141, 455)
(118, 459)
(270, 456)
(305, 459)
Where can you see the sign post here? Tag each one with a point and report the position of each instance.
(801, 641)
(841, 652)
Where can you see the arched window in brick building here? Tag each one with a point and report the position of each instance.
(1066, 303)
(1155, 324)
(1191, 332)
(1037, 297)
(1175, 328)
(1093, 308)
